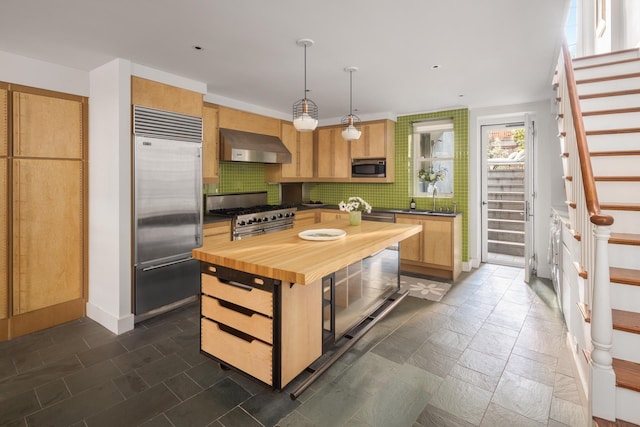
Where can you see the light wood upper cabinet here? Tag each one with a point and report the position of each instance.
(47, 126)
(230, 118)
(210, 144)
(165, 97)
(437, 250)
(332, 155)
(300, 145)
(48, 228)
(4, 295)
(372, 143)
(4, 119)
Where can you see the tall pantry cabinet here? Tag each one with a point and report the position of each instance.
(47, 199)
(4, 224)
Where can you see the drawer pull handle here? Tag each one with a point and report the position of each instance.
(237, 284)
(237, 308)
(236, 333)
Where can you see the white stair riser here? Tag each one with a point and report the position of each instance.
(616, 166)
(627, 403)
(608, 70)
(626, 345)
(609, 103)
(624, 256)
(617, 56)
(611, 121)
(625, 297)
(608, 86)
(624, 221)
(611, 142)
(618, 192)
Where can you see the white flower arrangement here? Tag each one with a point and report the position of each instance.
(355, 204)
(431, 175)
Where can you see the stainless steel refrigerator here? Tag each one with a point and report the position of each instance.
(167, 208)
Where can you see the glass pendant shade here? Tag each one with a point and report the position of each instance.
(305, 115)
(351, 123)
(305, 111)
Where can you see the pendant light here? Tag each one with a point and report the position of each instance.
(305, 111)
(351, 123)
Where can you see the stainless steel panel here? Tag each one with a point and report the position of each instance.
(168, 198)
(160, 285)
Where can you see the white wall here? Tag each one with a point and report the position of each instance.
(545, 150)
(110, 197)
(45, 75)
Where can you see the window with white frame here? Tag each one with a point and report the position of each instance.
(433, 155)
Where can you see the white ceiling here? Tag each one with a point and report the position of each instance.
(489, 52)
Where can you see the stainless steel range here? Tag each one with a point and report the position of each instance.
(250, 213)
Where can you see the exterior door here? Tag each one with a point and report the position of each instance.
(507, 205)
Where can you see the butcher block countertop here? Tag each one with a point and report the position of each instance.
(285, 256)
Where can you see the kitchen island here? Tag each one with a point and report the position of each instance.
(269, 301)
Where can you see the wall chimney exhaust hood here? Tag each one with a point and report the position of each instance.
(239, 146)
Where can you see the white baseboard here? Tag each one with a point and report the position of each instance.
(117, 325)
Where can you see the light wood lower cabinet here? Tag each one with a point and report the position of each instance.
(305, 218)
(269, 330)
(47, 233)
(215, 233)
(437, 250)
(330, 215)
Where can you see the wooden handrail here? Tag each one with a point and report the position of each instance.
(591, 197)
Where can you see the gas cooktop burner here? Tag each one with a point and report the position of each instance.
(231, 212)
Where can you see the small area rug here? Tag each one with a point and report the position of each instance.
(424, 288)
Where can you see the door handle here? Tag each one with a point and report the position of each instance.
(484, 203)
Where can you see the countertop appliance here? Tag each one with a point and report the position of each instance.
(167, 209)
(368, 168)
(250, 214)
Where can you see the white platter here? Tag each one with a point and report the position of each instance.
(322, 234)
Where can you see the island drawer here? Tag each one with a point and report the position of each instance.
(239, 294)
(249, 355)
(239, 318)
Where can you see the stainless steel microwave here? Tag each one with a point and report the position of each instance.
(369, 168)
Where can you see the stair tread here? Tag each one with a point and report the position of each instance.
(611, 111)
(614, 153)
(620, 206)
(626, 276)
(610, 94)
(599, 422)
(499, 230)
(627, 374)
(625, 239)
(616, 178)
(502, 242)
(607, 78)
(609, 131)
(627, 321)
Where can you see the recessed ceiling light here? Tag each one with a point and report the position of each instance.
(196, 47)
(461, 96)
(435, 67)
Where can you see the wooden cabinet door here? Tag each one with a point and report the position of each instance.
(4, 122)
(411, 247)
(47, 126)
(333, 155)
(300, 144)
(437, 241)
(165, 97)
(4, 293)
(210, 144)
(330, 216)
(372, 142)
(47, 233)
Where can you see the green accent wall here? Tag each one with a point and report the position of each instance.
(398, 193)
(244, 177)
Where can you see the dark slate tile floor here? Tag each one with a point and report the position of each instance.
(491, 353)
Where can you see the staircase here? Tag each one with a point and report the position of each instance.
(608, 87)
(505, 213)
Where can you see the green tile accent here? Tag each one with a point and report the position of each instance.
(243, 177)
(398, 193)
(238, 177)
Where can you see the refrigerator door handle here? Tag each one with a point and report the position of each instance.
(166, 264)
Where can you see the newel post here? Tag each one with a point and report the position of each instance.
(603, 381)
